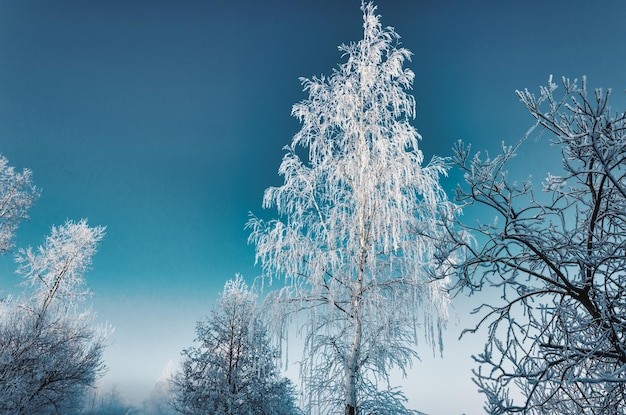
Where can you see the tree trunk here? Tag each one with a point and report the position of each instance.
(352, 367)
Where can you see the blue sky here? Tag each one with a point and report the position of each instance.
(165, 121)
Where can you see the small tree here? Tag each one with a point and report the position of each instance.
(557, 341)
(17, 194)
(232, 372)
(357, 243)
(49, 352)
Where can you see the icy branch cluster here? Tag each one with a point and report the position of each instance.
(557, 340)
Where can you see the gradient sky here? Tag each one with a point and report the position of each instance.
(164, 121)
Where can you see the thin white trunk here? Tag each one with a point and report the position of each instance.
(352, 366)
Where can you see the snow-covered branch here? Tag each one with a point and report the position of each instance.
(558, 337)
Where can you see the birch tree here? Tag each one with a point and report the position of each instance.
(557, 339)
(55, 271)
(232, 371)
(356, 241)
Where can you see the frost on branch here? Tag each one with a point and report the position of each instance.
(50, 353)
(359, 243)
(232, 370)
(557, 341)
(56, 269)
(47, 366)
(17, 194)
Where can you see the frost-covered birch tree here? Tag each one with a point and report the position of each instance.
(233, 370)
(55, 271)
(557, 337)
(17, 194)
(50, 353)
(357, 237)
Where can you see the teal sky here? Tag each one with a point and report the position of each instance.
(164, 121)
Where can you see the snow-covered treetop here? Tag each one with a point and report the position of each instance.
(364, 178)
(359, 241)
(56, 268)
